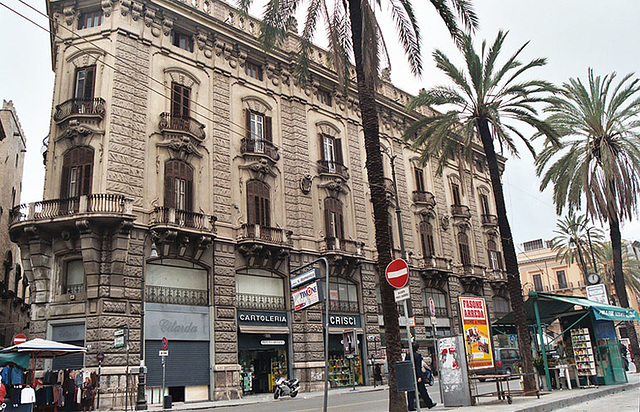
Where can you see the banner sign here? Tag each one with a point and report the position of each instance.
(475, 324)
(307, 296)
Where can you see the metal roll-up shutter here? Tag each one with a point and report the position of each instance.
(71, 362)
(186, 365)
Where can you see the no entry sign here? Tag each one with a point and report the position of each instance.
(397, 273)
(19, 338)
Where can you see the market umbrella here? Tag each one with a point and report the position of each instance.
(43, 348)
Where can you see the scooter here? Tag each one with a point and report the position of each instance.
(285, 387)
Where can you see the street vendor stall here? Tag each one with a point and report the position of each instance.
(588, 330)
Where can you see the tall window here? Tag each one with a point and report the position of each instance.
(419, 179)
(77, 168)
(84, 88)
(331, 152)
(324, 97)
(495, 262)
(180, 100)
(455, 193)
(484, 203)
(426, 239)
(562, 279)
(440, 300)
(333, 218)
(90, 19)
(73, 277)
(537, 282)
(178, 181)
(260, 290)
(253, 70)
(344, 295)
(258, 203)
(500, 307)
(463, 246)
(258, 129)
(182, 40)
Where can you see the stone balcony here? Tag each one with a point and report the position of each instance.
(180, 232)
(489, 220)
(80, 108)
(259, 147)
(423, 198)
(331, 169)
(183, 125)
(460, 211)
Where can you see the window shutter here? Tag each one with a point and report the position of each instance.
(322, 147)
(186, 101)
(252, 206)
(341, 225)
(247, 117)
(189, 195)
(268, 136)
(89, 82)
(169, 195)
(327, 218)
(267, 212)
(64, 184)
(86, 180)
(337, 145)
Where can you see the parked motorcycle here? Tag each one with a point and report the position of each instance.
(285, 387)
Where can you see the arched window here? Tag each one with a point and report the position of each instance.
(495, 261)
(439, 299)
(334, 222)
(463, 246)
(500, 307)
(260, 290)
(258, 203)
(77, 172)
(426, 239)
(343, 296)
(178, 185)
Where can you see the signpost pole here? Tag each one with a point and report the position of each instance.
(413, 363)
(126, 400)
(162, 395)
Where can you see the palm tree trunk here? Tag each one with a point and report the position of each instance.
(620, 286)
(510, 257)
(369, 112)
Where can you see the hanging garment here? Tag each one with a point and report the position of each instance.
(6, 375)
(28, 395)
(16, 376)
(16, 397)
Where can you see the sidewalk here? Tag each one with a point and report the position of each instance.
(550, 401)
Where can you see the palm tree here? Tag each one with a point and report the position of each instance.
(630, 266)
(353, 30)
(574, 240)
(598, 159)
(481, 99)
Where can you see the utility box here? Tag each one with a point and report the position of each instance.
(404, 376)
(168, 400)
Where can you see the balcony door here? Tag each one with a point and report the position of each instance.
(331, 152)
(77, 173)
(258, 130)
(84, 88)
(258, 203)
(334, 221)
(178, 180)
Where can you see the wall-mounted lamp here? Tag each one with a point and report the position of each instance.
(154, 250)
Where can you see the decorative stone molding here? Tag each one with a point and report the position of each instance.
(203, 43)
(181, 146)
(107, 7)
(255, 104)
(328, 129)
(305, 183)
(86, 57)
(69, 15)
(335, 187)
(125, 7)
(260, 169)
(444, 222)
(175, 74)
(167, 26)
(78, 134)
(137, 10)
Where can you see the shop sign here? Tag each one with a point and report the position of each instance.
(344, 320)
(475, 325)
(597, 293)
(272, 342)
(350, 342)
(307, 296)
(306, 277)
(262, 318)
(172, 323)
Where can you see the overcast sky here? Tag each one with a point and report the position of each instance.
(572, 34)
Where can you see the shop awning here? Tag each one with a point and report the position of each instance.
(552, 306)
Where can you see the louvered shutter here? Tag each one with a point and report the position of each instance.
(169, 193)
(247, 117)
(189, 189)
(337, 146)
(268, 134)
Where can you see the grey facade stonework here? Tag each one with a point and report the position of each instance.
(129, 215)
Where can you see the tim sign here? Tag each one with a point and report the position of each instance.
(307, 296)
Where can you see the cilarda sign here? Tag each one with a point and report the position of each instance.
(477, 338)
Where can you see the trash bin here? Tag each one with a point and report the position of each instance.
(167, 402)
(404, 376)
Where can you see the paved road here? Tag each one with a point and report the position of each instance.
(627, 401)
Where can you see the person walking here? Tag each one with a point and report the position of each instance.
(422, 389)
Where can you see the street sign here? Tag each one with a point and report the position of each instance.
(432, 307)
(397, 273)
(118, 339)
(19, 338)
(163, 353)
(402, 294)
(100, 356)
(307, 296)
(306, 277)
(433, 320)
(165, 343)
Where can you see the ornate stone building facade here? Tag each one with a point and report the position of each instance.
(14, 292)
(188, 175)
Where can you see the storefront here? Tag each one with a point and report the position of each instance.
(263, 349)
(186, 328)
(343, 370)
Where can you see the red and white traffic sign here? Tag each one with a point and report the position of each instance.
(165, 343)
(432, 307)
(19, 338)
(397, 273)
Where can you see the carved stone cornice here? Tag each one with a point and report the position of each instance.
(260, 168)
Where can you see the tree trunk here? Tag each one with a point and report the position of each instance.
(620, 286)
(510, 257)
(369, 113)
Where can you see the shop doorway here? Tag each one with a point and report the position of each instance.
(176, 393)
(344, 371)
(261, 368)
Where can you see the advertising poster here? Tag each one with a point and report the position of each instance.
(475, 326)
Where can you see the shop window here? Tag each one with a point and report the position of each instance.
(176, 282)
(343, 296)
(260, 291)
(253, 70)
(258, 203)
(73, 334)
(178, 186)
(259, 130)
(495, 261)
(455, 194)
(439, 299)
(426, 239)
(463, 247)
(334, 222)
(182, 40)
(324, 97)
(332, 153)
(562, 279)
(419, 174)
(90, 19)
(73, 277)
(77, 169)
(500, 307)
(537, 283)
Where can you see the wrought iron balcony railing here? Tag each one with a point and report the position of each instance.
(335, 168)
(183, 218)
(266, 234)
(460, 211)
(98, 203)
(184, 124)
(343, 306)
(343, 245)
(75, 289)
(176, 296)
(424, 198)
(261, 302)
(259, 146)
(489, 220)
(81, 107)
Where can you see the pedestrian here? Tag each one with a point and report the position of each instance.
(422, 389)
(377, 374)
(87, 395)
(623, 354)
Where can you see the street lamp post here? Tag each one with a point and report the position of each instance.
(141, 399)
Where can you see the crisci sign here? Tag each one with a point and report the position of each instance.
(262, 318)
(352, 321)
